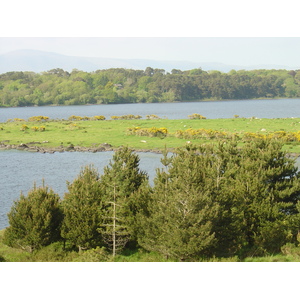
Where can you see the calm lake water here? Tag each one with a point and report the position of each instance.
(279, 108)
(20, 169)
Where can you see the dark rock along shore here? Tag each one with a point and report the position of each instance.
(37, 147)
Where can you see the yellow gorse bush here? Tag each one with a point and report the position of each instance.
(98, 118)
(196, 116)
(75, 118)
(24, 127)
(126, 117)
(152, 117)
(201, 133)
(38, 119)
(151, 132)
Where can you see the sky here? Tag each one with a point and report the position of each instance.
(244, 51)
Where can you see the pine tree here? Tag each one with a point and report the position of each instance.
(271, 190)
(81, 207)
(34, 219)
(181, 210)
(222, 200)
(258, 196)
(121, 179)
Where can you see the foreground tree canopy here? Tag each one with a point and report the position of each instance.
(206, 201)
(120, 85)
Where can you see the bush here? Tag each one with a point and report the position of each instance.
(34, 220)
(291, 249)
(151, 132)
(152, 117)
(38, 119)
(93, 255)
(126, 117)
(98, 118)
(196, 116)
(24, 127)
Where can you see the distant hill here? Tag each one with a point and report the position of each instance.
(39, 61)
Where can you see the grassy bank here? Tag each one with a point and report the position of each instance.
(56, 253)
(115, 132)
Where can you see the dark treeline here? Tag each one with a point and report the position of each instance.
(207, 201)
(118, 85)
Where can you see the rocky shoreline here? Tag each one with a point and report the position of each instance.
(39, 147)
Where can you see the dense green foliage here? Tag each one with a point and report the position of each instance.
(208, 202)
(121, 179)
(120, 85)
(81, 210)
(34, 220)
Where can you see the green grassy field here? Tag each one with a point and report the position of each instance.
(55, 253)
(114, 132)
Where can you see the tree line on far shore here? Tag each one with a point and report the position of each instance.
(119, 85)
(206, 201)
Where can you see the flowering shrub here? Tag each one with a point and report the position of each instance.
(201, 133)
(152, 117)
(126, 117)
(196, 116)
(277, 135)
(42, 128)
(38, 119)
(75, 118)
(34, 128)
(24, 127)
(98, 118)
(18, 120)
(74, 126)
(151, 132)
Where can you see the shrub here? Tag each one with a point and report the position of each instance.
(152, 117)
(38, 119)
(201, 133)
(152, 132)
(126, 117)
(291, 249)
(75, 118)
(24, 127)
(93, 255)
(98, 118)
(34, 220)
(34, 128)
(196, 116)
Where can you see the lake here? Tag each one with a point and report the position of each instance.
(272, 108)
(19, 169)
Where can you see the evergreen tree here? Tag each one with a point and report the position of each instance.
(222, 200)
(81, 207)
(258, 192)
(121, 179)
(181, 209)
(270, 186)
(34, 219)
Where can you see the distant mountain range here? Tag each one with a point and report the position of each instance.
(39, 61)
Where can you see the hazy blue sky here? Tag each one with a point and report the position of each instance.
(232, 50)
